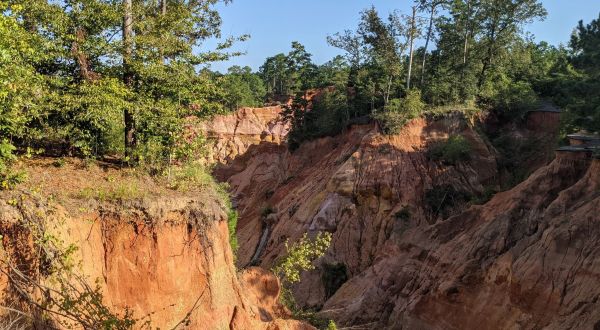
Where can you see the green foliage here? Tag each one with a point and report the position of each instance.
(285, 75)
(575, 80)
(585, 42)
(452, 151)
(242, 88)
(8, 177)
(331, 325)
(326, 117)
(300, 256)
(514, 154)
(65, 86)
(232, 220)
(399, 111)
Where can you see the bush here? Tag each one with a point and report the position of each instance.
(327, 116)
(452, 151)
(299, 257)
(399, 111)
(513, 100)
(190, 176)
(8, 177)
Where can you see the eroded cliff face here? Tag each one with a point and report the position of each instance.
(164, 256)
(526, 259)
(231, 135)
(356, 186)
(405, 257)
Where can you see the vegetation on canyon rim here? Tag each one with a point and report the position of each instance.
(72, 86)
(75, 80)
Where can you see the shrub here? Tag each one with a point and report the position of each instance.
(514, 99)
(327, 116)
(232, 220)
(190, 176)
(8, 177)
(299, 257)
(452, 151)
(331, 325)
(399, 111)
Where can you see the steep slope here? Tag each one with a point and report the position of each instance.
(526, 259)
(406, 252)
(163, 255)
(356, 186)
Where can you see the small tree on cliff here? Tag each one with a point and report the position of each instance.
(299, 257)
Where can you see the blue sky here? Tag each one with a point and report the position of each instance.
(274, 24)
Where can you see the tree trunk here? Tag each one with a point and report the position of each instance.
(388, 89)
(466, 36)
(127, 73)
(81, 58)
(163, 13)
(487, 61)
(429, 30)
(412, 39)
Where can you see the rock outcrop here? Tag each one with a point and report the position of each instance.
(166, 259)
(233, 134)
(354, 185)
(409, 248)
(527, 259)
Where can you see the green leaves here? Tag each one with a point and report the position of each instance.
(300, 257)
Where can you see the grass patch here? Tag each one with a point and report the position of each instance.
(119, 191)
(190, 177)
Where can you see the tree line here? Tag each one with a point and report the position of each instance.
(476, 54)
(122, 77)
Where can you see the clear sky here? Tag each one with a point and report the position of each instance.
(274, 24)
